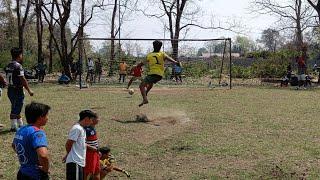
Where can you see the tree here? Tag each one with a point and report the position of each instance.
(180, 16)
(22, 19)
(316, 5)
(38, 5)
(243, 45)
(201, 51)
(127, 7)
(294, 16)
(65, 49)
(271, 39)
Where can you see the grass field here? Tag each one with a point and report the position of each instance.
(193, 133)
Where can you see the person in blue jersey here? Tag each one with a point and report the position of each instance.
(16, 83)
(30, 144)
(177, 72)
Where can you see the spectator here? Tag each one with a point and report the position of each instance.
(177, 72)
(76, 146)
(41, 71)
(98, 70)
(107, 163)
(90, 72)
(30, 144)
(92, 168)
(63, 79)
(122, 71)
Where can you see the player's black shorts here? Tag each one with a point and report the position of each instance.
(74, 172)
(152, 79)
(43, 176)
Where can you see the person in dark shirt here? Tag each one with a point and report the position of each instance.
(16, 83)
(41, 70)
(98, 70)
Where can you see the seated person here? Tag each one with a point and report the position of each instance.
(64, 79)
(107, 163)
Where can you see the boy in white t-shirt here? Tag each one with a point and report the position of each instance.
(76, 146)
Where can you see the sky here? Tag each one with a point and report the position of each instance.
(140, 26)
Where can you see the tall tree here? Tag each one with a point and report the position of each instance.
(66, 49)
(316, 5)
(118, 17)
(38, 5)
(293, 15)
(271, 39)
(180, 16)
(22, 19)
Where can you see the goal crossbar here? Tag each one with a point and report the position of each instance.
(149, 39)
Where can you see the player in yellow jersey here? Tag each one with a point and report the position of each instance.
(155, 69)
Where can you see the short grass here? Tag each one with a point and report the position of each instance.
(243, 133)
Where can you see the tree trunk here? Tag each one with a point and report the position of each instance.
(20, 30)
(112, 44)
(65, 61)
(22, 22)
(39, 30)
(51, 38)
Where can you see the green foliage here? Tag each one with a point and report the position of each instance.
(5, 58)
(242, 72)
(196, 69)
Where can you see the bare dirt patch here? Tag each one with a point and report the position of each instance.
(158, 126)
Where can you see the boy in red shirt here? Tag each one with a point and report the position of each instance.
(92, 168)
(136, 73)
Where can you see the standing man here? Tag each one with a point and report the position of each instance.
(90, 69)
(76, 146)
(98, 70)
(30, 144)
(122, 71)
(155, 69)
(3, 83)
(302, 70)
(16, 82)
(177, 72)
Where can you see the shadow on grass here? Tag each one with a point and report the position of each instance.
(4, 132)
(129, 121)
(136, 122)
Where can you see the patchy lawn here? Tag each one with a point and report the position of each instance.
(192, 133)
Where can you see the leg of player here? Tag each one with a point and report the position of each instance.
(149, 87)
(143, 93)
(130, 82)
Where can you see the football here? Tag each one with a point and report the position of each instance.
(131, 91)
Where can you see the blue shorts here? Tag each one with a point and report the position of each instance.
(16, 96)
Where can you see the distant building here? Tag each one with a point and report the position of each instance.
(208, 55)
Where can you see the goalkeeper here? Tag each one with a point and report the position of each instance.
(107, 163)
